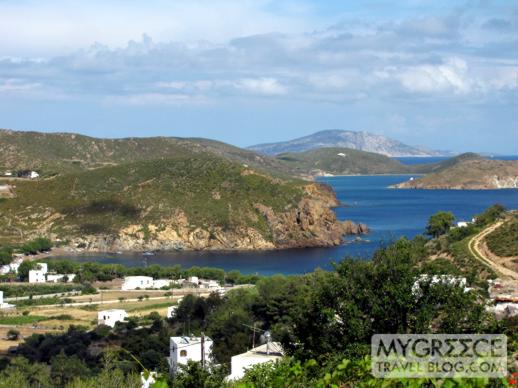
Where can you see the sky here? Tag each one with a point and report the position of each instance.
(442, 74)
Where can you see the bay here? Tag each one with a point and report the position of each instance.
(389, 213)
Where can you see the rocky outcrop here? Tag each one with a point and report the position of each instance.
(480, 174)
(312, 223)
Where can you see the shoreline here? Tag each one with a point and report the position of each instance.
(388, 174)
(60, 251)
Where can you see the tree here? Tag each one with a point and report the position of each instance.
(6, 255)
(65, 368)
(31, 374)
(439, 224)
(13, 335)
(25, 267)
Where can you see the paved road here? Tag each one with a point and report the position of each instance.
(475, 250)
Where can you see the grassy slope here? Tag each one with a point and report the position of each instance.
(361, 162)
(105, 199)
(354, 162)
(504, 241)
(52, 153)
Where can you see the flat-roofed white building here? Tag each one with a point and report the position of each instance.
(210, 284)
(184, 349)
(161, 283)
(111, 317)
(269, 352)
(38, 275)
(134, 282)
(56, 278)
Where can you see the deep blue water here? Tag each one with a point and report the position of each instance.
(388, 212)
(435, 159)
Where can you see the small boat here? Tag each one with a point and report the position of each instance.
(148, 254)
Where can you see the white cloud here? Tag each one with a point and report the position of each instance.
(450, 76)
(14, 85)
(43, 27)
(266, 86)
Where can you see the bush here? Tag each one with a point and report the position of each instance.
(33, 247)
(13, 335)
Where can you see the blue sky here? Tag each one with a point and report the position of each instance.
(438, 73)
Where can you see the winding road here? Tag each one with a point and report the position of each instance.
(475, 249)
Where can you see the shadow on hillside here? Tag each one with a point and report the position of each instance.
(105, 207)
(95, 229)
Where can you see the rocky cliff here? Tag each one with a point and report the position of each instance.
(193, 204)
(312, 223)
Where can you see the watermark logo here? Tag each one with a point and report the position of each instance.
(439, 355)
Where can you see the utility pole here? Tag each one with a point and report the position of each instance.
(253, 338)
(203, 350)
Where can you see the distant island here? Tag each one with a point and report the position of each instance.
(328, 161)
(468, 172)
(159, 194)
(362, 141)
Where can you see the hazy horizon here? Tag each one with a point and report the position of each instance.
(442, 74)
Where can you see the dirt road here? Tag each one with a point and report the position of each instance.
(475, 249)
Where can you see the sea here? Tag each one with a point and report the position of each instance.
(389, 213)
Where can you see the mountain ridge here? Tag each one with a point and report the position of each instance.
(363, 141)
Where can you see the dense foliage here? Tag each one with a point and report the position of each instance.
(440, 224)
(504, 241)
(6, 255)
(323, 319)
(90, 271)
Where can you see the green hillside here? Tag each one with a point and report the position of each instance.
(504, 240)
(203, 191)
(347, 161)
(342, 161)
(57, 153)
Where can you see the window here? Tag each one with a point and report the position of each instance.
(183, 353)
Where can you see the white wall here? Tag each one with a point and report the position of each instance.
(184, 349)
(37, 276)
(111, 317)
(134, 282)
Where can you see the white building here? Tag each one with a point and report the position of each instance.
(506, 310)
(171, 311)
(4, 305)
(38, 275)
(56, 278)
(210, 284)
(33, 175)
(184, 349)
(269, 352)
(8, 173)
(134, 282)
(462, 224)
(161, 283)
(13, 267)
(111, 317)
(143, 282)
